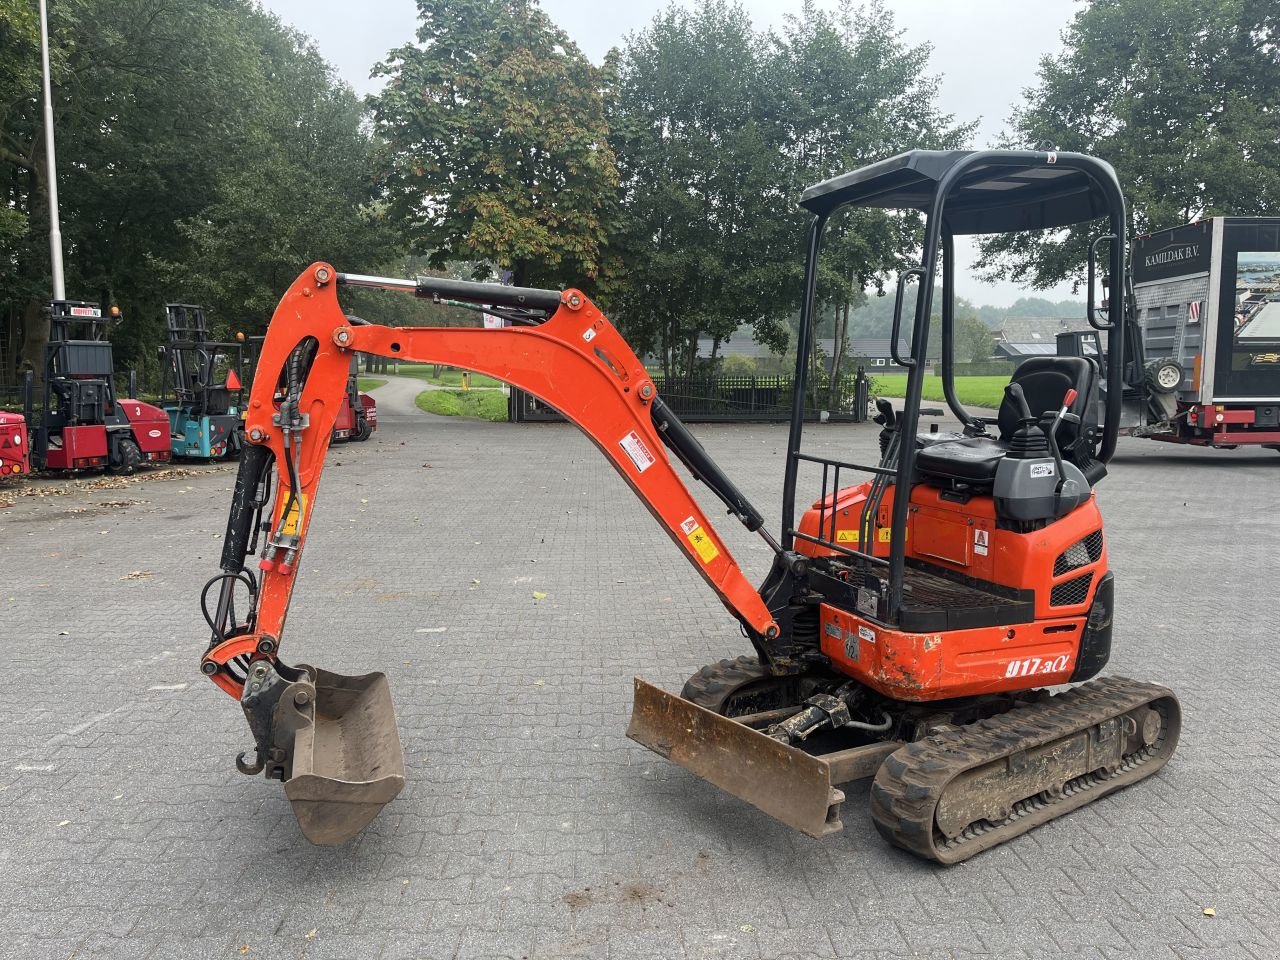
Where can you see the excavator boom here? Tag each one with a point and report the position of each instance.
(565, 352)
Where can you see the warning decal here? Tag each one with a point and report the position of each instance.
(689, 525)
(980, 542)
(846, 536)
(637, 451)
(289, 527)
(702, 544)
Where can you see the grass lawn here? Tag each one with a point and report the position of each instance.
(481, 404)
(970, 391)
(370, 383)
(447, 378)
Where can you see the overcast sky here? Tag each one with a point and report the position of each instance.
(986, 51)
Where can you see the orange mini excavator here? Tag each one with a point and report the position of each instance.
(910, 623)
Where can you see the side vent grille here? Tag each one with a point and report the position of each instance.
(1072, 592)
(1079, 554)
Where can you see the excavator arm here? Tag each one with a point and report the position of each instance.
(333, 739)
(574, 359)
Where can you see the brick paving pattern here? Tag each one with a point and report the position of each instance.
(530, 827)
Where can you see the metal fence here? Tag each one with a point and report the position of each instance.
(707, 399)
(11, 397)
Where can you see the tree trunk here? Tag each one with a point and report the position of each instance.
(691, 354)
(814, 369)
(668, 351)
(841, 328)
(35, 342)
(35, 315)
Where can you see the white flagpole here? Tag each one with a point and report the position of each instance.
(51, 176)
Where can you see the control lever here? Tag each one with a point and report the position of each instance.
(1014, 392)
(1052, 434)
(886, 416)
(1067, 401)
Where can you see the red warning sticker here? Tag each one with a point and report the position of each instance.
(637, 451)
(980, 542)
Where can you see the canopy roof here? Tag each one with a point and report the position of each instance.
(1024, 191)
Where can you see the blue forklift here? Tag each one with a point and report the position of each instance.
(207, 394)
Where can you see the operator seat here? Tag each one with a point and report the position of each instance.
(215, 401)
(1045, 382)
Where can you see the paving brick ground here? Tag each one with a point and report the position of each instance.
(530, 826)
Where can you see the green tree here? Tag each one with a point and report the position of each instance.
(853, 92)
(19, 78)
(707, 232)
(499, 146)
(22, 210)
(1182, 97)
(205, 153)
(305, 186)
(994, 317)
(719, 129)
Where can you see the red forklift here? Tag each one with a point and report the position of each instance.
(82, 424)
(15, 450)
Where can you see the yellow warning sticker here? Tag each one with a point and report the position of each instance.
(702, 543)
(883, 535)
(847, 536)
(294, 517)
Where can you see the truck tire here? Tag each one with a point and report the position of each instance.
(364, 431)
(125, 457)
(1165, 375)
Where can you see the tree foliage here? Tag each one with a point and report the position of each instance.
(499, 146)
(853, 92)
(706, 231)
(306, 186)
(19, 75)
(718, 129)
(205, 153)
(1181, 96)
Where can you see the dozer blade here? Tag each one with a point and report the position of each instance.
(784, 782)
(347, 759)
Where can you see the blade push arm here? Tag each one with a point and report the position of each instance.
(575, 361)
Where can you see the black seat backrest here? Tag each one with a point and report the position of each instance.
(1045, 382)
(81, 402)
(217, 401)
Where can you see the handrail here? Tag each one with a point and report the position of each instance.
(897, 317)
(1090, 309)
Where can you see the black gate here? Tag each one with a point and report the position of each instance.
(705, 399)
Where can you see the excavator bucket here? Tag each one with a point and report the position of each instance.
(347, 759)
(784, 782)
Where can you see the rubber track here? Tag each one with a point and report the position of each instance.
(910, 783)
(711, 686)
